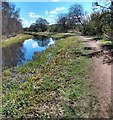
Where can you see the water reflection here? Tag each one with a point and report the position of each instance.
(11, 56)
(20, 53)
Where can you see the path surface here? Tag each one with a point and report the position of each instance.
(101, 76)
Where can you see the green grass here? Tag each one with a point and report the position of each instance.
(55, 84)
(16, 39)
(102, 41)
(106, 42)
(97, 38)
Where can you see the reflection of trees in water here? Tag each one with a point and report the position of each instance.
(42, 41)
(12, 55)
(15, 54)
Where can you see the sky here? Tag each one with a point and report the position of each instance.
(30, 11)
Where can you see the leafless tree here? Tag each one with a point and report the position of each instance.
(11, 23)
(76, 14)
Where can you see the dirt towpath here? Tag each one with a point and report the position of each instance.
(101, 76)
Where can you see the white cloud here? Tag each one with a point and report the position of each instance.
(33, 15)
(46, 12)
(25, 42)
(60, 8)
(51, 20)
(52, 15)
(35, 45)
(27, 23)
(55, 0)
(55, 11)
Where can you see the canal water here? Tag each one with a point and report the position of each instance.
(20, 53)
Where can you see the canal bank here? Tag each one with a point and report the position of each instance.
(18, 38)
(55, 84)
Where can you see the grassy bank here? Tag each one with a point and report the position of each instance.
(102, 40)
(55, 85)
(16, 39)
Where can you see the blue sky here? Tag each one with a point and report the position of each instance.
(30, 11)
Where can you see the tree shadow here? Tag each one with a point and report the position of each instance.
(106, 54)
(97, 38)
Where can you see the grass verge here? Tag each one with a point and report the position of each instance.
(16, 39)
(55, 84)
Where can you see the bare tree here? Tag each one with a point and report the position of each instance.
(62, 19)
(62, 22)
(11, 23)
(76, 14)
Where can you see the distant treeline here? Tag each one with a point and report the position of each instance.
(64, 22)
(11, 23)
(100, 22)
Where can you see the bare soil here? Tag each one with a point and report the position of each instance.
(101, 76)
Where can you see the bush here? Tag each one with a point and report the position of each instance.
(58, 28)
